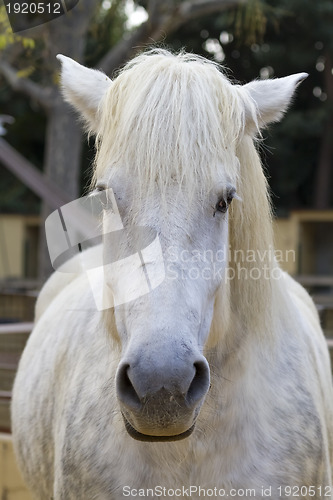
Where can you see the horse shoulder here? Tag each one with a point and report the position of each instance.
(53, 286)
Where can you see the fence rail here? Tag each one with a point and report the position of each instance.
(12, 328)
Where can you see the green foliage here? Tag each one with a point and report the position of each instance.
(7, 37)
(26, 133)
(249, 21)
(106, 29)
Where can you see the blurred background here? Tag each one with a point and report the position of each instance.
(45, 161)
(252, 39)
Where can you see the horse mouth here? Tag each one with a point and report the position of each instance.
(155, 439)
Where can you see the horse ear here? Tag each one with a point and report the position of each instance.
(83, 88)
(267, 100)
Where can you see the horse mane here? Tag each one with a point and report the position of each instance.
(170, 117)
(178, 117)
(254, 291)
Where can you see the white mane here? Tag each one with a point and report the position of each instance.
(171, 117)
(178, 118)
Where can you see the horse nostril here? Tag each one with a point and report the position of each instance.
(134, 385)
(125, 388)
(200, 382)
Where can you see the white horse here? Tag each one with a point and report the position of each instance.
(215, 383)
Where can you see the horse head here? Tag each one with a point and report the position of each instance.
(169, 131)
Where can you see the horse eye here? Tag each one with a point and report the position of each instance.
(100, 187)
(223, 204)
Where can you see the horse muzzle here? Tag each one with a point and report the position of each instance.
(162, 406)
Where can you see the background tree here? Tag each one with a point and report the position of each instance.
(254, 38)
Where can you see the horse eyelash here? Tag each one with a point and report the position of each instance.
(97, 189)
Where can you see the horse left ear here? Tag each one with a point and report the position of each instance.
(83, 88)
(267, 100)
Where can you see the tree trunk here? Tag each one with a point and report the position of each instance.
(63, 145)
(61, 164)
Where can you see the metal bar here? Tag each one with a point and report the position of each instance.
(5, 394)
(314, 280)
(12, 328)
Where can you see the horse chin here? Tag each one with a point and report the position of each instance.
(155, 439)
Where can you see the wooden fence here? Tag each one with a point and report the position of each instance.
(13, 337)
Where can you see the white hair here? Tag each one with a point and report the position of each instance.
(170, 117)
(177, 118)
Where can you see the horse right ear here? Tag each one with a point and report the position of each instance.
(83, 88)
(267, 100)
